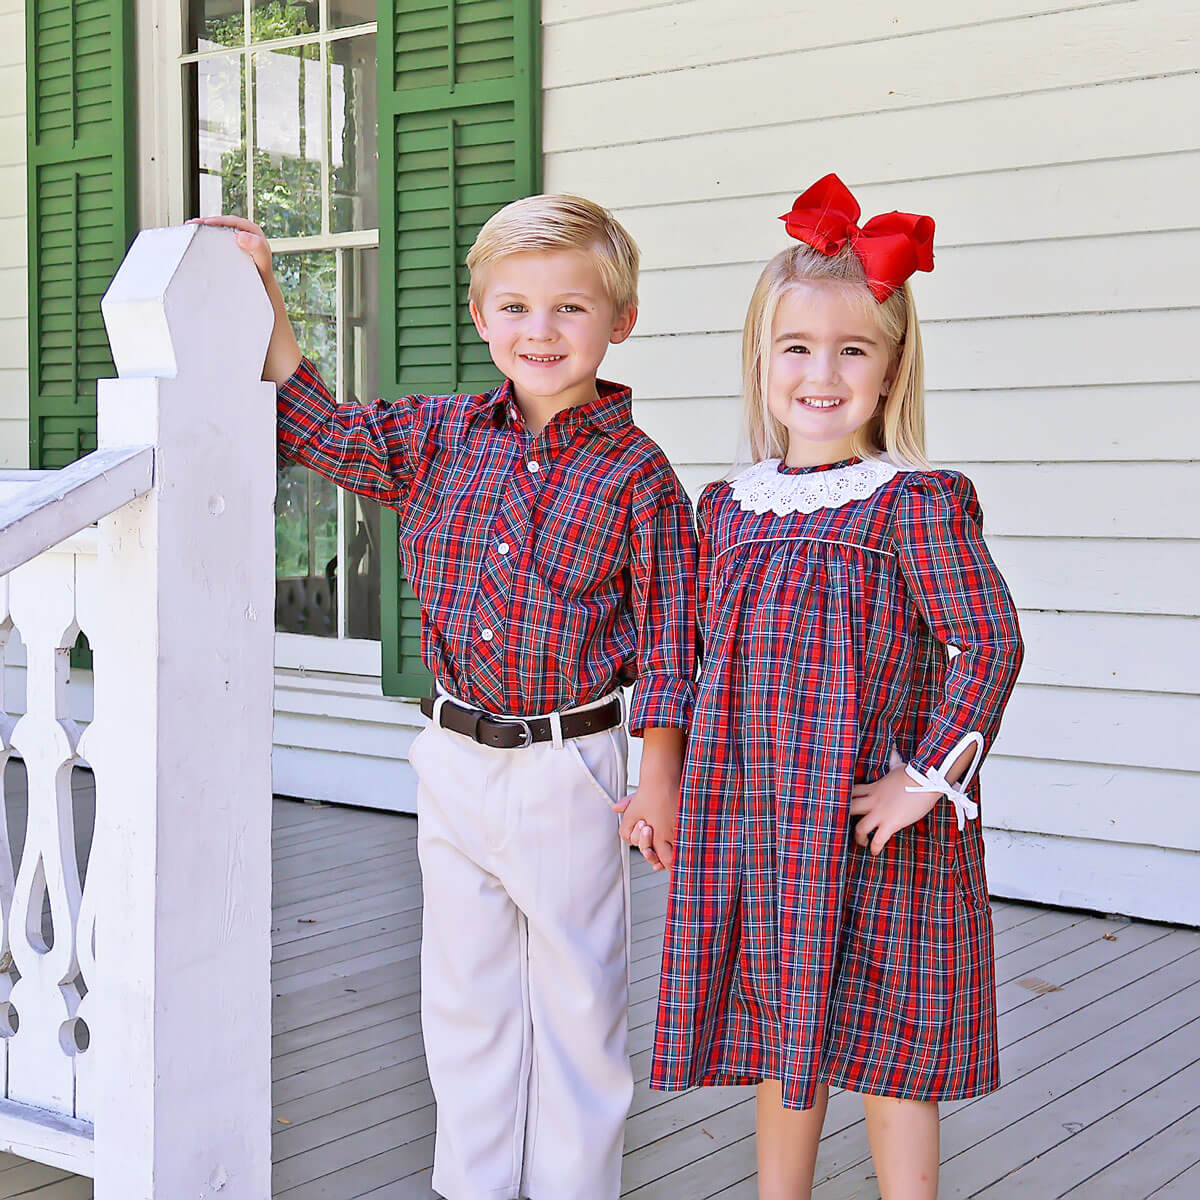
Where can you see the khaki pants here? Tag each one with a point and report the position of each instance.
(525, 964)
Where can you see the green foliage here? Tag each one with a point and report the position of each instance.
(275, 19)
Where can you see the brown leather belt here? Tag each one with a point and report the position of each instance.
(513, 733)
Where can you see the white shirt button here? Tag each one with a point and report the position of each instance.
(502, 548)
(534, 465)
(487, 635)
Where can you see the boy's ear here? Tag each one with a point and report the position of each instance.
(477, 317)
(623, 324)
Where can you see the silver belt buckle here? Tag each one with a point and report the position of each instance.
(521, 723)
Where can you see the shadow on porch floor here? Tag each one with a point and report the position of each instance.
(1100, 1029)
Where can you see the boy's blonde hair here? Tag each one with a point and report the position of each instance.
(898, 427)
(559, 222)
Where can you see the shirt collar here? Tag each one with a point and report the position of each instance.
(611, 412)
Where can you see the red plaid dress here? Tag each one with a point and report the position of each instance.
(790, 953)
(550, 568)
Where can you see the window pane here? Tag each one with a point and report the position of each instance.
(306, 504)
(352, 12)
(216, 23)
(287, 140)
(353, 155)
(217, 90)
(282, 18)
(360, 375)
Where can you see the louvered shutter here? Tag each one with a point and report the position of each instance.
(82, 209)
(459, 136)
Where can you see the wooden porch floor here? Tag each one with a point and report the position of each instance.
(1100, 1029)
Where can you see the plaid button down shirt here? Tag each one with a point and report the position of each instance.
(550, 569)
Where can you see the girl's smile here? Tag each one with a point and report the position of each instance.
(829, 365)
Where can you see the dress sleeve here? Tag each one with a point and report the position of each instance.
(371, 449)
(663, 577)
(964, 600)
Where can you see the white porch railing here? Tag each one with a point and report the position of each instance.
(135, 1001)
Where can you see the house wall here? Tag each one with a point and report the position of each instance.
(1058, 149)
(14, 305)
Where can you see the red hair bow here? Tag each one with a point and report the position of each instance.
(890, 246)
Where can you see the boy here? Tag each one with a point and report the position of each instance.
(552, 551)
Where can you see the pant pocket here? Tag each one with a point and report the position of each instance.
(602, 760)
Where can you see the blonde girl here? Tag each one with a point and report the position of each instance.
(829, 920)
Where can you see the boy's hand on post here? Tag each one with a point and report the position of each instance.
(283, 352)
(250, 238)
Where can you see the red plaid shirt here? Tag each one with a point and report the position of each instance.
(549, 569)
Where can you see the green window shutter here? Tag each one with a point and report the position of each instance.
(459, 137)
(82, 209)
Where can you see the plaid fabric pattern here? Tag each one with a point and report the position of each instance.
(790, 953)
(549, 569)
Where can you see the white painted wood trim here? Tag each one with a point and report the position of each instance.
(58, 504)
(1153, 883)
(46, 1137)
(341, 656)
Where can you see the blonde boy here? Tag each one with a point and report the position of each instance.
(551, 548)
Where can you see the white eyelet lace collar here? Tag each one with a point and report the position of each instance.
(763, 488)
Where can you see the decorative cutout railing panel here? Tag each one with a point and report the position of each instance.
(135, 941)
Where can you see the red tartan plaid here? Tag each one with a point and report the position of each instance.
(790, 953)
(549, 569)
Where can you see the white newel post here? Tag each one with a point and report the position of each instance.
(181, 743)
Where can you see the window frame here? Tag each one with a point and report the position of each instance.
(338, 654)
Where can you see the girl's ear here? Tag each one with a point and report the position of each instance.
(477, 317)
(623, 324)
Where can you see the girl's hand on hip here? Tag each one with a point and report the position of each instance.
(886, 806)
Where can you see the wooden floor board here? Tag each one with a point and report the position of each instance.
(1099, 1036)
(1185, 1186)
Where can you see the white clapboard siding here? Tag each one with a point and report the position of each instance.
(1123, 651)
(1105, 576)
(1121, 273)
(14, 304)
(1086, 872)
(1129, 729)
(1113, 803)
(1083, 424)
(1127, 119)
(339, 739)
(1056, 148)
(1060, 200)
(1070, 350)
(652, 39)
(1073, 49)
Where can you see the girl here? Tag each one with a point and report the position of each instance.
(828, 919)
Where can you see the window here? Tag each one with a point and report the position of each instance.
(280, 128)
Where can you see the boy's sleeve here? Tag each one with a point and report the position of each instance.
(370, 449)
(663, 577)
(963, 598)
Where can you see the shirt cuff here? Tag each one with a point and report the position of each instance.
(933, 778)
(660, 702)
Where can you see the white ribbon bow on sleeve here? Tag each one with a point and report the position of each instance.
(934, 780)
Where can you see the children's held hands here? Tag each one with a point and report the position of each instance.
(283, 352)
(648, 822)
(886, 806)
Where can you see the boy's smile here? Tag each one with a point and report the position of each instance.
(548, 322)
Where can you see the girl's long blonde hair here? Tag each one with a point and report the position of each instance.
(897, 429)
